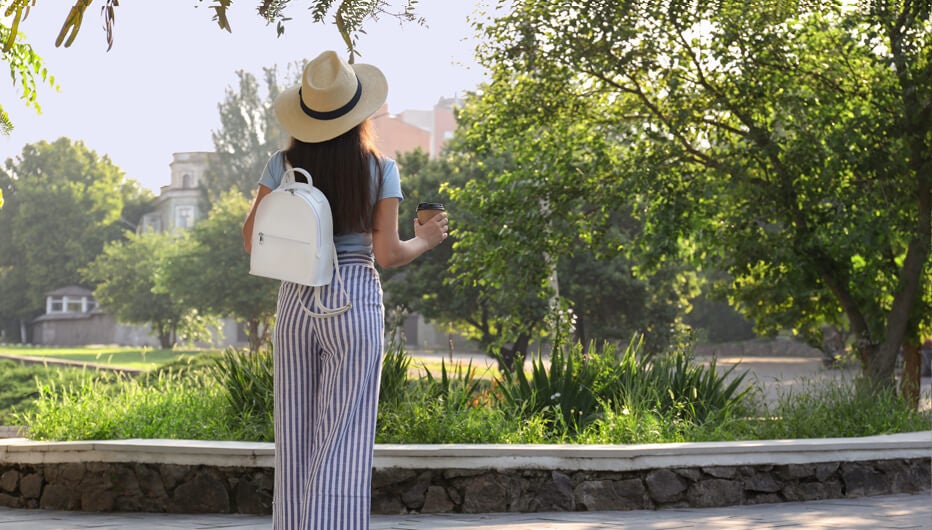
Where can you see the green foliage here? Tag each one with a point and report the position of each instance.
(784, 146)
(19, 392)
(26, 69)
(426, 286)
(841, 409)
(248, 135)
(230, 399)
(561, 391)
(101, 407)
(247, 381)
(127, 277)
(209, 271)
(90, 199)
(421, 418)
(577, 387)
(394, 382)
(457, 389)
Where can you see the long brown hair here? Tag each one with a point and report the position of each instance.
(341, 169)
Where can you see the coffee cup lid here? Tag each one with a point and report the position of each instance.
(430, 206)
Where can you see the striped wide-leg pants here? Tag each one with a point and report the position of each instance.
(326, 395)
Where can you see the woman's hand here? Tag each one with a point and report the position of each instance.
(389, 250)
(434, 231)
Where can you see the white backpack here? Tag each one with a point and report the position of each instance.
(292, 239)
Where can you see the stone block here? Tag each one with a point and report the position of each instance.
(763, 498)
(172, 475)
(762, 482)
(691, 474)
(11, 501)
(553, 494)
(862, 480)
(252, 499)
(451, 474)
(205, 493)
(715, 492)
(811, 491)
(59, 497)
(436, 500)
(825, 470)
(391, 476)
(413, 496)
(600, 495)
(153, 496)
(795, 471)
(720, 472)
(72, 473)
(385, 504)
(9, 481)
(487, 493)
(97, 499)
(665, 486)
(31, 485)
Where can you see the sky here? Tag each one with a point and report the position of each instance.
(156, 91)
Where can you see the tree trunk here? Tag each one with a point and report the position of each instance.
(909, 382)
(165, 339)
(509, 354)
(252, 334)
(165, 334)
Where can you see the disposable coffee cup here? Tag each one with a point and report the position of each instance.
(427, 210)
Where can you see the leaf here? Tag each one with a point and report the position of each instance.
(72, 25)
(19, 10)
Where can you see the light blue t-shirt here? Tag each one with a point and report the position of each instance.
(357, 242)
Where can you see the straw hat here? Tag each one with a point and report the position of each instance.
(334, 96)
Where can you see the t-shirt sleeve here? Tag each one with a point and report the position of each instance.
(391, 181)
(274, 169)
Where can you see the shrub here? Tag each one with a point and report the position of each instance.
(837, 409)
(106, 407)
(247, 380)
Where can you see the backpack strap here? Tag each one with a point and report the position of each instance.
(326, 312)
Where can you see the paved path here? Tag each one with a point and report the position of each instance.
(872, 513)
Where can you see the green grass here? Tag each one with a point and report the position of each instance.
(18, 388)
(113, 356)
(225, 396)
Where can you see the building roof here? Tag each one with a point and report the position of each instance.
(71, 290)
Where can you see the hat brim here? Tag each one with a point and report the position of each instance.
(307, 129)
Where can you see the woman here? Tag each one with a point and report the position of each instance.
(327, 369)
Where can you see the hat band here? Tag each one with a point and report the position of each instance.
(332, 114)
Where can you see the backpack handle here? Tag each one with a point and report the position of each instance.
(288, 176)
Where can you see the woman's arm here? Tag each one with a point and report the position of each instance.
(389, 249)
(250, 219)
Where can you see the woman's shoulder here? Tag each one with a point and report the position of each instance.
(383, 161)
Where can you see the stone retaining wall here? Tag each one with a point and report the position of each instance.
(127, 487)
(127, 478)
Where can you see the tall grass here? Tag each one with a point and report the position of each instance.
(247, 381)
(837, 409)
(608, 397)
(581, 386)
(100, 407)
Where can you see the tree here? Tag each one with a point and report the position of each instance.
(785, 145)
(209, 272)
(127, 273)
(26, 69)
(426, 286)
(63, 203)
(249, 133)
(347, 15)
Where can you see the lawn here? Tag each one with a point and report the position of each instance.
(113, 356)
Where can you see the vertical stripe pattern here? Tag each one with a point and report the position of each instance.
(327, 374)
